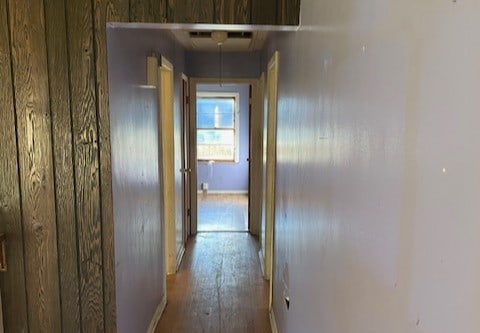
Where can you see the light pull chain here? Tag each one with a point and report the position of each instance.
(221, 64)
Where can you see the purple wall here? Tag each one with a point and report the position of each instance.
(378, 184)
(229, 176)
(235, 64)
(135, 170)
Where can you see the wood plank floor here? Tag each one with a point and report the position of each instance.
(222, 212)
(219, 287)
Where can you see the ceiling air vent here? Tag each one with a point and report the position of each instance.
(236, 41)
(230, 34)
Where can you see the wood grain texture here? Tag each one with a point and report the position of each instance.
(232, 11)
(62, 149)
(86, 162)
(36, 166)
(219, 287)
(176, 11)
(199, 11)
(106, 11)
(288, 12)
(264, 12)
(12, 282)
(151, 11)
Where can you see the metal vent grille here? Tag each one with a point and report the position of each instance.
(231, 34)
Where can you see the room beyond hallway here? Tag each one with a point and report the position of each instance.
(222, 212)
(219, 287)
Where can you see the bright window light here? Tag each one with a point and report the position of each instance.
(217, 127)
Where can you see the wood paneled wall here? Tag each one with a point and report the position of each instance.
(55, 190)
(55, 183)
(279, 12)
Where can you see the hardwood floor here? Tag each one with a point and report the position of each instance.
(222, 212)
(218, 289)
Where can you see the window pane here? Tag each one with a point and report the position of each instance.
(215, 152)
(215, 112)
(216, 145)
(217, 137)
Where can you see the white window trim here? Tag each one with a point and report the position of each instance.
(236, 97)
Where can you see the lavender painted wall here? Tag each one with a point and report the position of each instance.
(234, 64)
(378, 179)
(229, 176)
(135, 168)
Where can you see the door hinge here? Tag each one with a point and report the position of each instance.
(187, 99)
(188, 212)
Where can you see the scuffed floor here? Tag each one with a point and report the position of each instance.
(218, 289)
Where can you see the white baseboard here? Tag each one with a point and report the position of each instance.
(222, 192)
(157, 314)
(273, 323)
(262, 262)
(180, 257)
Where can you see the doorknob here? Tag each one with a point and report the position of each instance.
(3, 253)
(186, 170)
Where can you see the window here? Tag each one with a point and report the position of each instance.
(217, 127)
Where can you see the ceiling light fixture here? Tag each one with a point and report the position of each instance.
(219, 37)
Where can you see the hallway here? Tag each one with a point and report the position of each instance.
(219, 287)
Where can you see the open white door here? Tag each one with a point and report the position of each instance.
(270, 127)
(165, 80)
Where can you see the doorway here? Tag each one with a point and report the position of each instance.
(226, 155)
(223, 145)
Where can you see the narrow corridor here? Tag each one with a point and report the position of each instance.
(219, 287)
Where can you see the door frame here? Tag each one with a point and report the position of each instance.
(186, 170)
(271, 160)
(166, 117)
(255, 155)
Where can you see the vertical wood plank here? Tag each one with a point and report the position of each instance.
(288, 12)
(176, 11)
(139, 11)
(62, 150)
(232, 11)
(36, 166)
(199, 11)
(12, 284)
(106, 11)
(264, 11)
(151, 11)
(86, 162)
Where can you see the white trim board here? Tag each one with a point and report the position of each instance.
(262, 262)
(158, 314)
(180, 257)
(273, 323)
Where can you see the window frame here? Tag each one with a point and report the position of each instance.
(236, 122)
